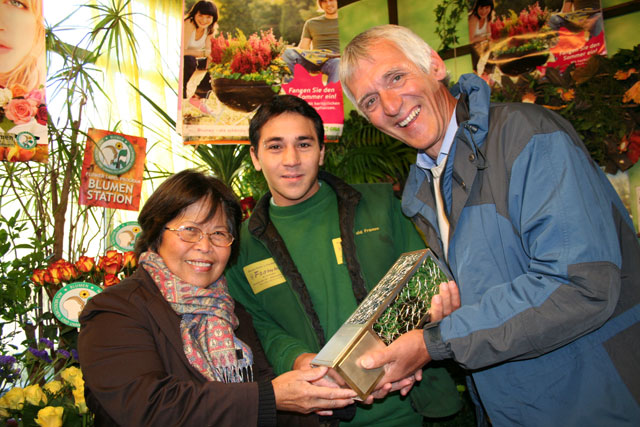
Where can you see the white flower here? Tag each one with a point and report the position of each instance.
(5, 96)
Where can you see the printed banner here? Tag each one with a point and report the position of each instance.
(231, 63)
(513, 38)
(23, 110)
(112, 170)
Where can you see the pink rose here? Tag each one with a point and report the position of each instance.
(20, 111)
(37, 95)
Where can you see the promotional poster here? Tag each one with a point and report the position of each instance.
(23, 110)
(237, 56)
(518, 37)
(112, 170)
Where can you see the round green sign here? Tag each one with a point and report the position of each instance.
(69, 301)
(26, 140)
(124, 236)
(114, 154)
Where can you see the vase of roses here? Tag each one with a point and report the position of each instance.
(246, 71)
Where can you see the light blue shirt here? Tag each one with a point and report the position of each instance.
(426, 162)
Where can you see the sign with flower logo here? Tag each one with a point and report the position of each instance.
(112, 170)
(71, 299)
(23, 110)
(124, 236)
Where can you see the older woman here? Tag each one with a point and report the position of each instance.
(167, 346)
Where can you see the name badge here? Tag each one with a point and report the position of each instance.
(263, 275)
(337, 248)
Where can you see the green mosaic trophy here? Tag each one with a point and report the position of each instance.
(399, 303)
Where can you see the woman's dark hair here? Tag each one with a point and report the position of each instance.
(205, 7)
(281, 104)
(479, 4)
(175, 195)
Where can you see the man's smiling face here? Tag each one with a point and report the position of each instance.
(289, 155)
(402, 100)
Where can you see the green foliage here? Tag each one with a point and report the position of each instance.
(585, 96)
(18, 258)
(365, 155)
(448, 15)
(224, 161)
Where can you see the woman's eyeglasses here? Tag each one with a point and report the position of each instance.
(192, 234)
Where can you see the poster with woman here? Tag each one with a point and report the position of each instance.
(238, 54)
(523, 36)
(23, 111)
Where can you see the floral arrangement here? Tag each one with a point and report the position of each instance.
(107, 271)
(19, 107)
(516, 26)
(44, 388)
(604, 87)
(256, 58)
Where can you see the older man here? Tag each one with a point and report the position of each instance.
(540, 245)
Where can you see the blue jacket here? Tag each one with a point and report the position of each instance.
(547, 263)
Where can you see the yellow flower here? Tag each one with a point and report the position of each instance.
(34, 395)
(4, 413)
(50, 416)
(78, 397)
(633, 94)
(53, 387)
(13, 399)
(70, 374)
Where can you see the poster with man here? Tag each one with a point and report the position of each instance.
(238, 54)
(23, 110)
(523, 36)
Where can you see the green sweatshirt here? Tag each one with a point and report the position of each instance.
(300, 266)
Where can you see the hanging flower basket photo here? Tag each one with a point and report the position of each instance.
(247, 71)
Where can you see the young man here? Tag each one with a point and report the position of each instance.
(312, 249)
(319, 47)
(540, 245)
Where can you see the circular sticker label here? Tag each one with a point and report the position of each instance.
(26, 140)
(69, 301)
(114, 154)
(124, 236)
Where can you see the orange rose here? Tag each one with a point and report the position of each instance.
(38, 276)
(20, 111)
(18, 89)
(55, 274)
(111, 263)
(85, 264)
(110, 280)
(130, 260)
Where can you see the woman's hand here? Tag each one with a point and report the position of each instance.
(295, 392)
(332, 379)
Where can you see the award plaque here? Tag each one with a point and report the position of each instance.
(399, 303)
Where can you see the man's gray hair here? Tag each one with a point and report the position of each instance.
(362, 47)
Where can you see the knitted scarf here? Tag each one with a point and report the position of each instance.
(207, 324)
